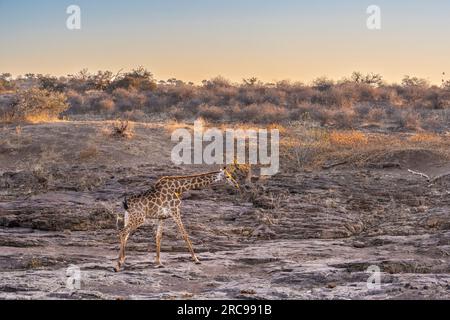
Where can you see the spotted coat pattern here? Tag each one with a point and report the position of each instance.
(163, 201)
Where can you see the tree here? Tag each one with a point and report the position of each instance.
(101, 80)
(217, 82)
(39, 104)
(408, 81)
(323, 84)
(175, 82)
(139, 78)
(51, 83)
(251, 81)
(6, 82)
(5, 76)
(370, 78)
(30, 76)
(446, 85)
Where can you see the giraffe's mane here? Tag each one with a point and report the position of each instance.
(190, 176)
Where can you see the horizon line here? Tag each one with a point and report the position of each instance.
(235, 82)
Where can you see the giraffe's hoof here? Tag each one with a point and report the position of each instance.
(196, 261)
(116, 269)
(159, 266)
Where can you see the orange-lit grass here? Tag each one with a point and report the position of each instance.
(312, 148)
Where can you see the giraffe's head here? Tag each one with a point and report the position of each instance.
(240, 172)
(224, 174)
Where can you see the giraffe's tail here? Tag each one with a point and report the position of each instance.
(122, 217)
(125, 203)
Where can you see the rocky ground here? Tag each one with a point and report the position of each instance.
(308, 235)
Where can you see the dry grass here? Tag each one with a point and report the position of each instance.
(173, 125)
(317, 147)
(42, 167)
(34, 263)
(88, 153)
(425, 137)
(212, 113)
(40, 118)
(348, 139)
(122, 129)
(33, 119)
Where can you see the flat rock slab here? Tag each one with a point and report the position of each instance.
(305, 269)
(307, 235)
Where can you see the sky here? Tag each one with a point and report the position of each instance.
(199, 39)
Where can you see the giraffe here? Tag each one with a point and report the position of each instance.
(163, 201)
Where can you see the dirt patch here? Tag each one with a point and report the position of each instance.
(414, 159)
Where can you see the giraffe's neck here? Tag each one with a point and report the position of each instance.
(198, 182)
(185, 183)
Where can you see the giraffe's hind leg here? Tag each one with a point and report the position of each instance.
(159, 233)
(135, 221)
(177, 218)
(123, 236)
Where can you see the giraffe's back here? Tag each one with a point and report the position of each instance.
(154, 203)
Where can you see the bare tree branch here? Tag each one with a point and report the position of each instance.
(114, 77)
(423, 175)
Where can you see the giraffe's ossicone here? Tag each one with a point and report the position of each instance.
(163, 201)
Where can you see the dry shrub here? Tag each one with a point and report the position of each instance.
(376, 114)
(178, 113)
(299, 114)
(264, 113)
(322, 115)
(269, 113)
(129, 99)
(348, 138)
(122, 129)
(362, 109)
(244, 114)
(34, 263)
(341, 118)
(424, 137)
(258, 194)
(42, 167)
(75, 100)
(413, 121)
(135, 115)
(343, 104)
(6, 116)
(365, 92)
(36, 105)
(88, 153)
(212, 113)
(344, 118)
(107, 105)
(171, 126)
(407, 119)
(304, 147)
(437, 121)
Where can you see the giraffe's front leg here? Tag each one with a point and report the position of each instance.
(159, 233)
(177, 218)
